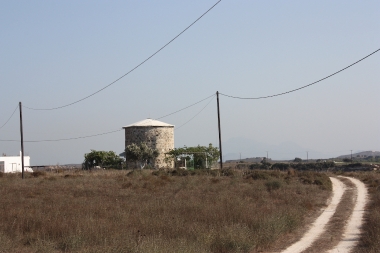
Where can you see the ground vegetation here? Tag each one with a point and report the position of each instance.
(155, 211)
(102, 159)
(201, 156)
(140, 154)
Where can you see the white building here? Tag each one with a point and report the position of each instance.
(12, 164)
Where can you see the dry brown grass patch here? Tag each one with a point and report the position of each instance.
(167, 211)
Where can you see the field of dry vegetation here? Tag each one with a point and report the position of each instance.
(145, 211)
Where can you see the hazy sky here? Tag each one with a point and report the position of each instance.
(55, 52)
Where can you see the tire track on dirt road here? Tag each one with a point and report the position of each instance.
(347, 222)
(352, 230)
(336, 226)
(318, 226)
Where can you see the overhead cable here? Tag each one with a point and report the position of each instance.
(195, 114)
(9, 117)
(118, 79)
(68, 139)
(283, 93)
(185, 107)
(82, 137)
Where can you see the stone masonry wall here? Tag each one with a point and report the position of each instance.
(161, 138)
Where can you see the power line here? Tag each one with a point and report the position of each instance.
(94, 135)
(195, 114)
(9, 117)
(67, 139)
(279, 94)
(185, 107)
(152, 55)
(82, 137)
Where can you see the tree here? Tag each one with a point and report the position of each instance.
(141, 154)
(265, 164)
(199, 154)
(297, 160)
(102, 159)
(280, 166)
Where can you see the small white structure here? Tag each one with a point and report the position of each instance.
(12, 164)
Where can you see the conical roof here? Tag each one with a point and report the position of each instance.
(148, 123)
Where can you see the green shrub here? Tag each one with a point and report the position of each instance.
(273, 185)
(320, 179)
(258, 175)
(280, 166)
(254, 166)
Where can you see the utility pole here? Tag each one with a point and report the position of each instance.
(22, 141)
(267, 156)
(351, 155)
(220, 134)
(240, 156)
(307, 156)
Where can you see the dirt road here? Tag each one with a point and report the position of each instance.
(352, 230)
(322, 225)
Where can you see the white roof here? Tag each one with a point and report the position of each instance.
(149, 122)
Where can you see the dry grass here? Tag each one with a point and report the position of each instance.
(370, 240)
(112, 211)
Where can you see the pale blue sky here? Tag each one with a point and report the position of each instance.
(55, 52)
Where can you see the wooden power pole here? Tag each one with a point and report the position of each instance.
(22, 141)
(220, 134)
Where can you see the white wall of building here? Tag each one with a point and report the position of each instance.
(12, 164)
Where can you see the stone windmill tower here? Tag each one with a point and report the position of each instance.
(155, 134)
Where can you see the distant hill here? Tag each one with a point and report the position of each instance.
(248, 160)
(247, 148)
(253, 151)
(361, 154)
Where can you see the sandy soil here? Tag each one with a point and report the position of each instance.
(352, 227)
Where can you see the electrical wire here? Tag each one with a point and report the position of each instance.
(9, 118)
(195, 115)
(94, 135)
(283, 93)
(82, 137)
(185, 107)
(118, 79)
(67, 139)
